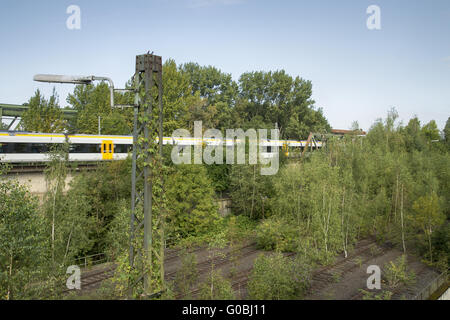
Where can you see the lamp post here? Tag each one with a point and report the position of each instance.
(54, 78)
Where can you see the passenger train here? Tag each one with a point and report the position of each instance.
(29, 147)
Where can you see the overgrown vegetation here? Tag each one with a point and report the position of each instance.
(393, 183)
(396, 273)
(276, 277)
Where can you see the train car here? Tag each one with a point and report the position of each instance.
(29, 147)
(21, 147)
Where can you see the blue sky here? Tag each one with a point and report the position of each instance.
(357, 74)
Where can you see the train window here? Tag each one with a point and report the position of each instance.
(44, 148)
(84, 148)
(122, 148)
(15, 148)
(21, 147)
(39, 148)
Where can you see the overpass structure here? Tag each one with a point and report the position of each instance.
(15, 112)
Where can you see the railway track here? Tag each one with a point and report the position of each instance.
(325, 276)
(400, 291)
(218, 260)
(175, 253)
(90, 280)
(224, 260)
(240, 280)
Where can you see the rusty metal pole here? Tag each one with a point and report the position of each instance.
(147, 66)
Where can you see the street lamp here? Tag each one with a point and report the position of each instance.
(54, 78)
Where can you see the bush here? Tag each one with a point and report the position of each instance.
(277, 277)
(22, 242)
(396, 273)
(216, 287)
(193, 209)
(187, 275)
(277, 234)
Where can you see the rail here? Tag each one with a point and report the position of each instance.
(91, 260)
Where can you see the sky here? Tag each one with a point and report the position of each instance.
(357, 74)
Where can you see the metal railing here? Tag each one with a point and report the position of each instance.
(432, 287)
(91, 260)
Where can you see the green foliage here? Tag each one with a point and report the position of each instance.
(192, 210)
(178, 98)
(431, 131)
(447, 133)
(354, 187)
(228, 231)
(103, 196)
(277, 234)
(118, 236)
(238, 228)
(66, 219)
(250, 191)
(219, 174)
(441, 246)
(211, 83)
(278, 98)
(396, 273)
(21, 238)
(43, 115)
(187, 275)
(428, 216)
(216, 287)
(93, 101)
(383, 295)
(276, 277)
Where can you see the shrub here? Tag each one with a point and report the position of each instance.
(277, 277)
(192, 210)
(216, 287)
(396, 273)
(187, 275)
(277, 234)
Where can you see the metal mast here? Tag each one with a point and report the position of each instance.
(148, 79)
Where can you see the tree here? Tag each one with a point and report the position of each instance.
(178, 98)
(193, 210)
(211, 83)
(428, 216)
(447, 132)
(250, 191)
(431, 131)
(43, 115)
(67, 223)
(278, 98)
(21, 240)
(413, 136)
(93, 101)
